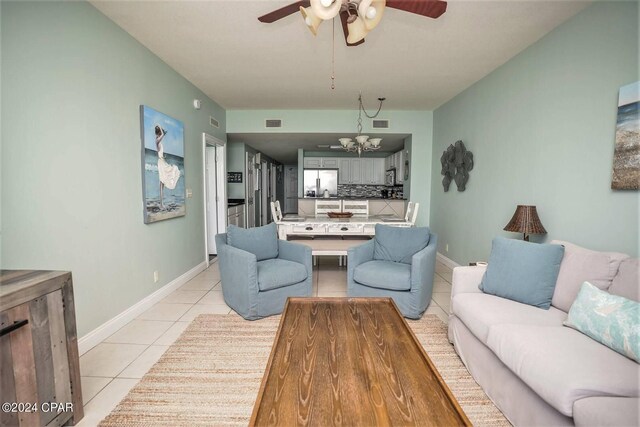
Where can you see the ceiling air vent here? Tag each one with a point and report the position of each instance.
(381, 124)
(213, 122)
(273, 123)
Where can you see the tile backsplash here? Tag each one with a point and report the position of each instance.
(364, 191)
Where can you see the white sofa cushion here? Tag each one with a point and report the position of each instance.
(581, 265)
(607, 412)
(480, 311)
(562, 365)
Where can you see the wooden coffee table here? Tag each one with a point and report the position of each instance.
(351, 361)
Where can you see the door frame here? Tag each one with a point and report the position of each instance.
(212, 141)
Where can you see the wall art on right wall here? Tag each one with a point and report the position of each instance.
(626, 156)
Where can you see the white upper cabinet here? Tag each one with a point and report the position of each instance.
(366, 171)
(396, 161)
(356, 171)
(321, 162)
(344, 171)
(379, 170)
(312, 162)
(330, 162)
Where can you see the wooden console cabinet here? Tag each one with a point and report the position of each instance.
(39, 363)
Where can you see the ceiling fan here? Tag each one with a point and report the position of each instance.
(358, 16)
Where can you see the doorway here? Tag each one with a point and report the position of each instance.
(215, 191)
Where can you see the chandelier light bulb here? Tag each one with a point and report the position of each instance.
(326, 3)
(371, 12)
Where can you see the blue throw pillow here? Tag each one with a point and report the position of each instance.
(399, 244)
(522, 271)
(260, 241)
(611, 320)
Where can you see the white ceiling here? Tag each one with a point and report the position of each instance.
(416, 62)
(284, 147)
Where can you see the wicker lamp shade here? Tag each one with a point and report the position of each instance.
(525, 220)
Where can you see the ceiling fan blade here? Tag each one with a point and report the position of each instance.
(343, 17)
(429, 8)
(283, 12)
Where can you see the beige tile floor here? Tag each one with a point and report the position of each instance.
(114, 366)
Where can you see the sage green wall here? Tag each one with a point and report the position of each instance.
(72, 83)
(419, 124)
(542, 129)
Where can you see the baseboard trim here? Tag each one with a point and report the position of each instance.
(446, 261)
(105, 330)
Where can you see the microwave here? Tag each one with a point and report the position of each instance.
(390, 178)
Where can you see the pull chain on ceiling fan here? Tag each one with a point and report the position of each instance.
(358, 17)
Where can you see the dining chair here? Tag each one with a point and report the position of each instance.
(356, 207)
(276, 212)
(412, 212)
(324, 206)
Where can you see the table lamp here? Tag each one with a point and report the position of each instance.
(525, 220)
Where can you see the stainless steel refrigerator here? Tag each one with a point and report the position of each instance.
(318, 180)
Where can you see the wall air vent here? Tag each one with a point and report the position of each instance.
(381, 124)
(273, 123)
(213, 122)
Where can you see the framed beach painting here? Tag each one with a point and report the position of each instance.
(626, 155)
(163, 186)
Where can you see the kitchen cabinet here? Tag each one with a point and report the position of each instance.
(365, 171)
(312, 162)
(321, 162)
(378, 171)
(356, 171)
(330, 162)
(399, 167)
(396, 161)
(39, 346)
(372, 171)
(344, 171)
(349, 171)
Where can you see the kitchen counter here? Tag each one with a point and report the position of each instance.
(377, 206)
(350, 198)
(234, 202)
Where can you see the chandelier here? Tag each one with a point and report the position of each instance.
(363, 15)
(362, 142)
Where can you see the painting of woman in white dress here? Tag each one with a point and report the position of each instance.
(163, 157)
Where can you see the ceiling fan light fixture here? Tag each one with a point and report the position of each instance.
(371, 12)
(326, 12)
(310, 19)
(357, 31)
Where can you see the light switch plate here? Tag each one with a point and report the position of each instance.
(189, 193)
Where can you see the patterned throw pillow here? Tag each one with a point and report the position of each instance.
(609, 319)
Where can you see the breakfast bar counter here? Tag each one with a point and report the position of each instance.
(325, 226)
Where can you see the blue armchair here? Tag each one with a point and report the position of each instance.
(259, 271)
(398, 263)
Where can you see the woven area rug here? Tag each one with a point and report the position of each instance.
(211, 375)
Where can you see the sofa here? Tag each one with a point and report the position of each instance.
(537, 371)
